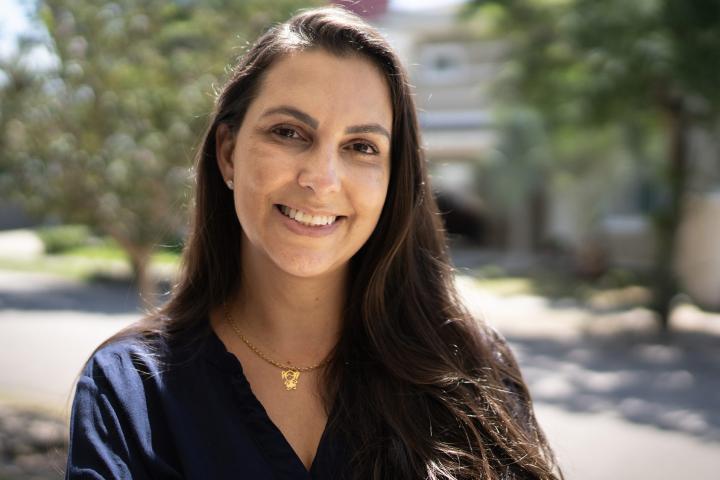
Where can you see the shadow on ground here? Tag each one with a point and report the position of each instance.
(670, 383)
(92, 298)
(104, 296)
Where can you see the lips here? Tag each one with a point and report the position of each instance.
(306, 229)
(306, 218)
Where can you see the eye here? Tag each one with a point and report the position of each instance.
(287, 132)
(364, 148)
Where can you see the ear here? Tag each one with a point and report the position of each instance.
(224, 148)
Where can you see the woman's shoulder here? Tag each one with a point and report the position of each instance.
(121, 360)
(118, 408)
(144, 353)
(120, 347)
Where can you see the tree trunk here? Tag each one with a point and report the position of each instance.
(139, 256)
(140, 263)
(520, 238)
(520, 235)
(665, 285)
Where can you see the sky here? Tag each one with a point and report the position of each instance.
(12, 22)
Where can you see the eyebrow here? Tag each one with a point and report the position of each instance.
(313, 123)
(293, 112)
(369, 128)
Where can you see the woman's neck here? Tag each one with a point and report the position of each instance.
(297, 318)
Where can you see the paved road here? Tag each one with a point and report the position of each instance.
(616, 401)
(48, 327)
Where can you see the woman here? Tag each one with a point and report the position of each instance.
(315, 331)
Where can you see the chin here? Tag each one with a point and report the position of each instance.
(308, 266)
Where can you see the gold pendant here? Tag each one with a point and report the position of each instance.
(290, 377)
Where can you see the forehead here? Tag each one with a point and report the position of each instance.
(329, 87)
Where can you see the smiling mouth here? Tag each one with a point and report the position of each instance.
(307, 219)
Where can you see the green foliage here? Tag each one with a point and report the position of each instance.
(63, 238)
(588, 62)
(519, 164)
(106, 135)
(610, 79)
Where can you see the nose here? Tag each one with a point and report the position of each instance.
(319, 172)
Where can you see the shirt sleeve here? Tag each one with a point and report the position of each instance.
(110, 429)
(98, 444)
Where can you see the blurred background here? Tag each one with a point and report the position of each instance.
(574, 152)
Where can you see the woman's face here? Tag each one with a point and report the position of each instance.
(311, 162)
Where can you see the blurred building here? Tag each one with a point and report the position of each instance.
(698, 263)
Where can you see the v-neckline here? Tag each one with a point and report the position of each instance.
(268, 433)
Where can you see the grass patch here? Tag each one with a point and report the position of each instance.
(70, 266)
(105, 251)
(617, 288)
(108, 249)
(96, 258)
(506, 285)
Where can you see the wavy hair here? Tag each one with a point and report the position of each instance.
(420, 388)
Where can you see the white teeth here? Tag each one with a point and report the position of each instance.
(306, 218)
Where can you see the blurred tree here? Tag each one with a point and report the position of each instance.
(645, 64)
(104, 135)
(15, 80)
(518, 168)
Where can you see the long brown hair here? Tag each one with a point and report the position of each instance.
(419, 387)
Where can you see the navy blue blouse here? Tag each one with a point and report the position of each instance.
(134, 416)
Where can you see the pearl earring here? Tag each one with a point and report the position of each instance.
(230, 184)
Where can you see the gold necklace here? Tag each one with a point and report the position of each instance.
(290, 374)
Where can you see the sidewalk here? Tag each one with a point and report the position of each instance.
(616, 401)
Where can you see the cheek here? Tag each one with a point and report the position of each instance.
(257, 171)
(371, 193)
